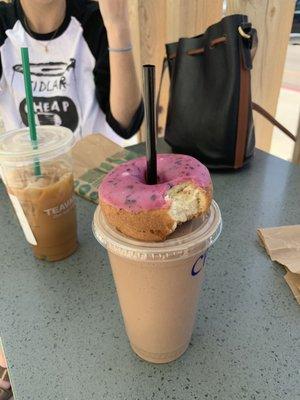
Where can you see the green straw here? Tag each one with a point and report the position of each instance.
(29, 103)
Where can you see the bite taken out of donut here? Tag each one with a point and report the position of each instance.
(152, 212)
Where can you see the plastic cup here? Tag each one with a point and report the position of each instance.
(44, 204)
(159, 284)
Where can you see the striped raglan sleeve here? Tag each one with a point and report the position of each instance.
(8, 17)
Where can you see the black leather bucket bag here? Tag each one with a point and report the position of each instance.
(210, 109)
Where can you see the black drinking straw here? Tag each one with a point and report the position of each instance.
(149, 99)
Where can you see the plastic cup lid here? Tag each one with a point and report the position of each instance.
(193, 237)
(16, 147)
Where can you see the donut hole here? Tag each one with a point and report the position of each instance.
(161, 178)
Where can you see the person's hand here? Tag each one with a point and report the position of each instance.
(114, 13)
(3, 362)
(3, 384)
(116, 21)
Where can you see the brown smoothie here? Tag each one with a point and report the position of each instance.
(159, 302)
(159, 283)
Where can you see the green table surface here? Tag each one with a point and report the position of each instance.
(63, 332)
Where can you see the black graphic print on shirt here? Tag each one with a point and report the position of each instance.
(51, 78)
(48, 69)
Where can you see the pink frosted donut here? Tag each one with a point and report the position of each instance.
(152, 212)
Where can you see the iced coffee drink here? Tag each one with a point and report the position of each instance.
(48, 205)
(43, 202)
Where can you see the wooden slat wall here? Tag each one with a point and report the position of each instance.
(273, 20)
(191, 17)
(148, 22)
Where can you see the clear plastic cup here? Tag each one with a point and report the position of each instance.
(159, 284)
(43, 202)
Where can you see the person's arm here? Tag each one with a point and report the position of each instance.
(3, 383)
(125, 95)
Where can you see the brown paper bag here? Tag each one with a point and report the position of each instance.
(283, 245)
(89, 152)
(93, 157)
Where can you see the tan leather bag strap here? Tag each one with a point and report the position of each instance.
(243, 116)
(256, 107)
